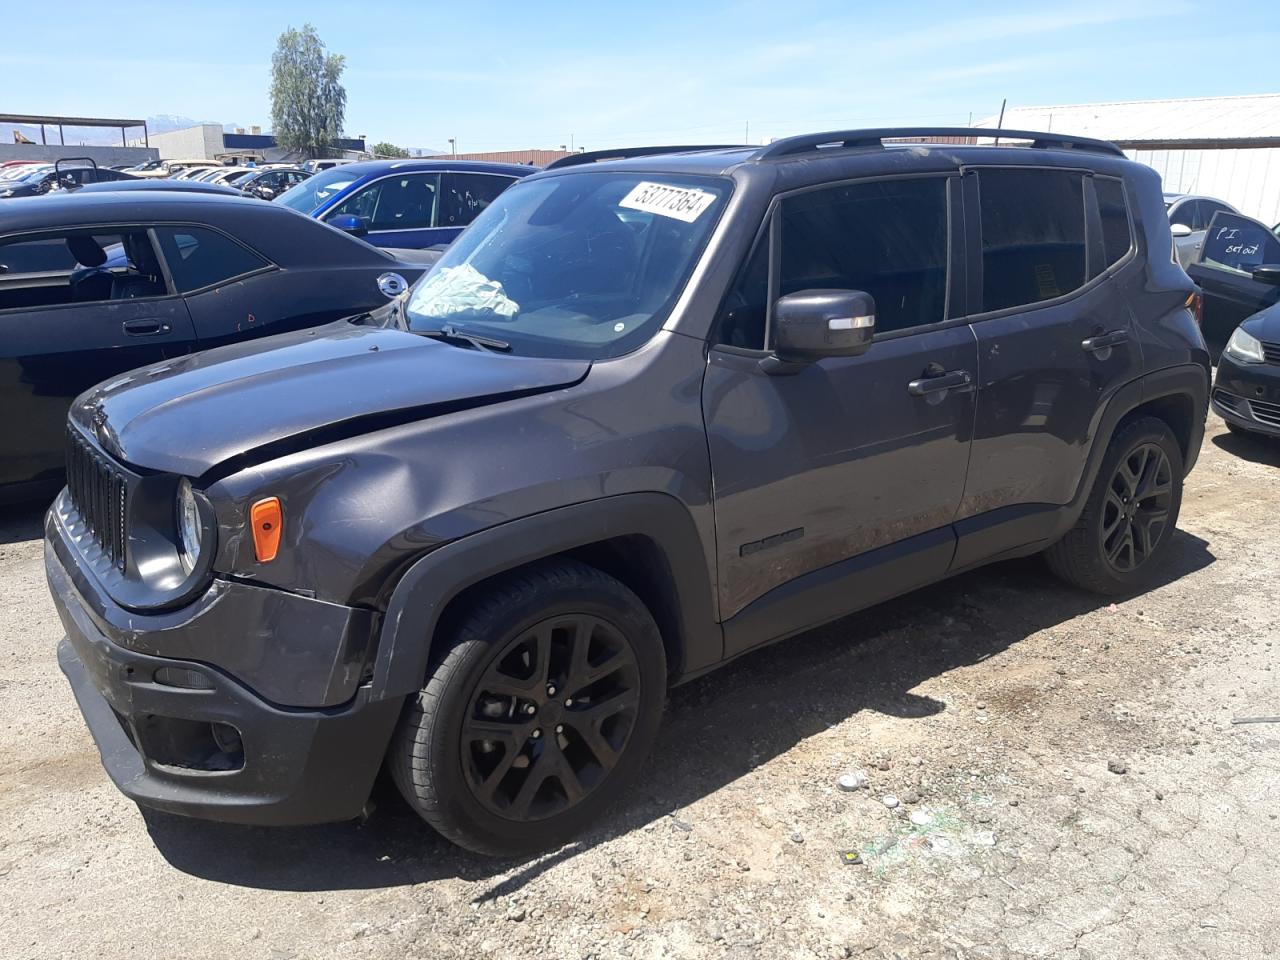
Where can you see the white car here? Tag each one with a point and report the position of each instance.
(1189, 217)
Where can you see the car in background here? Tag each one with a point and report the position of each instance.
(1236, 271)
(1189, 217)
(173, 186)
(193, 172)
(58, 177)
(19, 171)
(1246, 387)
(403, 203)
(267, 184)
(219, 174)
(168, 168)
(316, 166)
(95, 284)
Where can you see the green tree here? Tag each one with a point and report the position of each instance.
(307, 98)
(385, 149)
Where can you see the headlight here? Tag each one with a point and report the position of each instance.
(1244, 346)
(190, 528)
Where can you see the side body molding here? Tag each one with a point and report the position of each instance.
(431, 582)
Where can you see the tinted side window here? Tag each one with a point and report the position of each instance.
(1114, 213)
(1033, 245)
(199, 258)
(406, 202)
(888, 239)
(1207, 209)
(1239, 244)
(77, 267)
(467, 194)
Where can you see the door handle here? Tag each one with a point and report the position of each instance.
(146, 328)
(937, 382)
(1104, 341)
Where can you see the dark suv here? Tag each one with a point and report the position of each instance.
(645, 415)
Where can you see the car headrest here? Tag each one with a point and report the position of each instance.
(87, 251)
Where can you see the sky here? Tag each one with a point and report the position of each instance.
(541, 74)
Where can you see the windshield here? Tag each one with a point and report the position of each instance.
(309, 194)
(585, 266)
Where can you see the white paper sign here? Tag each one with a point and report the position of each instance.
(679, 203)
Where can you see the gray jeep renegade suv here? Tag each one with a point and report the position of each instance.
(651, 411)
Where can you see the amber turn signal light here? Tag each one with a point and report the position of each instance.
(268, 523)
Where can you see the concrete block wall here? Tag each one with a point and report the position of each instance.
(102, 156)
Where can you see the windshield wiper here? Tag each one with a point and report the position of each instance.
(451, 334)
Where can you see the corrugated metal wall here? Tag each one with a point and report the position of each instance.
(1247, 178)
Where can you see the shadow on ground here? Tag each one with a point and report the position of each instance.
(22, 522)
(1252, 447)
(717, 729)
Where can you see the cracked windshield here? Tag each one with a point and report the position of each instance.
(584, 266)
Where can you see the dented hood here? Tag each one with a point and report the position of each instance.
(258, 399)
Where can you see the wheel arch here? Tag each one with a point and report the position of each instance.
(1177, 395)
(648, 541)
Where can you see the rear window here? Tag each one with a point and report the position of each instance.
(1033, 246)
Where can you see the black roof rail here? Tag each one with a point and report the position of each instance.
(622, 153)
(850, 139)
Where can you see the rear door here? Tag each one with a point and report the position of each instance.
(1233, 247)
(856, 459)
(465, 195)
(1055, 341)
(65, 327)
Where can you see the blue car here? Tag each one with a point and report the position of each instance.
(406, 204)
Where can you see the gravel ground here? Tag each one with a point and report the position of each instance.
(988, 715)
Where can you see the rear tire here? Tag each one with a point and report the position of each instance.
(1123, 535)
(540, 714)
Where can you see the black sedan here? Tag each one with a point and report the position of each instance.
(1246, 389)
(95, 284)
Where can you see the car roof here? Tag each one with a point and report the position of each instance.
(79, 208)
(928, 148)
(369, 168)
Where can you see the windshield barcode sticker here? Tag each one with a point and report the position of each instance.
(679, 203)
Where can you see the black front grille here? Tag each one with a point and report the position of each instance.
(1264, 412)
(1271, 352)
(1227, 400)
(99, 491)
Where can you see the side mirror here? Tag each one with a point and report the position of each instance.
(1180, 230)
(1267, 273)
(813, 324)
(350, 223)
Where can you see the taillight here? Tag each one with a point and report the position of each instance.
(1195, 303)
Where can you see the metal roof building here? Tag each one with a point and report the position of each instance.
(1225, 147)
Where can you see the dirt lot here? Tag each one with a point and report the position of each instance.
(990, 707)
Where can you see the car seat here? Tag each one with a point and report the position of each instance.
(144, 277)
(94, 282)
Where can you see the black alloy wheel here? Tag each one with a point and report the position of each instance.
(550, 717)
(1136, 507)
(540, 712)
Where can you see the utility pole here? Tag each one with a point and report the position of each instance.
(453, 146)
(746, 131)
(1000, 122)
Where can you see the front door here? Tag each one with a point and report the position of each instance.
(1233, 247)
(1051, 251)
(76, 309)
(399, 210)
(849, 465)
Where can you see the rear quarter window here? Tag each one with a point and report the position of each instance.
(199, 258)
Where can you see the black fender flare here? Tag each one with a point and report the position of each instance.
(418, 600)
(1189, 379)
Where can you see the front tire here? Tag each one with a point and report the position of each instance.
(1123, 535)
(540, 714)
